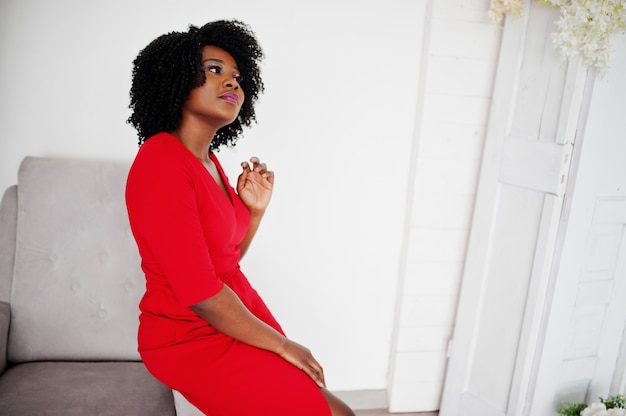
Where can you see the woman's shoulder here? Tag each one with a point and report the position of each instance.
(162, 153)
(162, 147)
(161, 143)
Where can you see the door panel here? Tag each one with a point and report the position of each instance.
(523, 178)
(583, 355)
(504, 294)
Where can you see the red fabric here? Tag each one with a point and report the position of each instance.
(188, 233)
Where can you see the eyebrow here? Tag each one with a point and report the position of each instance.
(220, 61)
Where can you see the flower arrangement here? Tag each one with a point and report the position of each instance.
(584, 27)
(611, 406)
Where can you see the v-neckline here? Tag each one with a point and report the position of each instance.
(226, 191)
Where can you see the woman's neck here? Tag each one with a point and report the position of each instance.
(197, 141)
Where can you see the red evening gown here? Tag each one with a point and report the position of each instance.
(188, 233)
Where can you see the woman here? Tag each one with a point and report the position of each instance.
(204, 330)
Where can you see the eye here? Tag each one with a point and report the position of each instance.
(237, 76)
(216, 69)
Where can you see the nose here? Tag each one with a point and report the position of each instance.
(231, 82)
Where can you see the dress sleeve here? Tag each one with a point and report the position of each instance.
(163, 212)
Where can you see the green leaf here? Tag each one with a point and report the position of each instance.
(618, 401)
(571, 409)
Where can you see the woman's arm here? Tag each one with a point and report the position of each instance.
(254, 187)
(228, 314)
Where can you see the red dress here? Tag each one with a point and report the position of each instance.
(188, 233)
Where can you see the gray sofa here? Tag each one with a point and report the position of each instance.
(70, 284)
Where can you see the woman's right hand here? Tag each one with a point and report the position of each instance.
(301, 357)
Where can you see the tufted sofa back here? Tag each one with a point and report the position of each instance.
(76, 276)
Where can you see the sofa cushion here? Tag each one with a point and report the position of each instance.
(69, 388)
(77, 280)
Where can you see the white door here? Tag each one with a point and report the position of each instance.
(526, 163)
(584, 353)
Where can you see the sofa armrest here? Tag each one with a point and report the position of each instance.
(8, 236)
(5, 318)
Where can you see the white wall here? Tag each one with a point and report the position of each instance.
(336, 125)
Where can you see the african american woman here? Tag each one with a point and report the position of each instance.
(204, 330)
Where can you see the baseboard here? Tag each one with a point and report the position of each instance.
(364, 399)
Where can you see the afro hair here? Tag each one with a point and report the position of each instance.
(165, 72)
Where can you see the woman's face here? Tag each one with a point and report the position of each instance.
(219, 99)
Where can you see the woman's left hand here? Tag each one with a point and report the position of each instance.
(255, 185)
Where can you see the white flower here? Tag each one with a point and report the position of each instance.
(499, 8)
(596, 409)
(616, 412)
(585, 27)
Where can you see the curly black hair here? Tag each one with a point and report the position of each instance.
(165, 72)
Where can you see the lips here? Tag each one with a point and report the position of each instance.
(230, 97)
